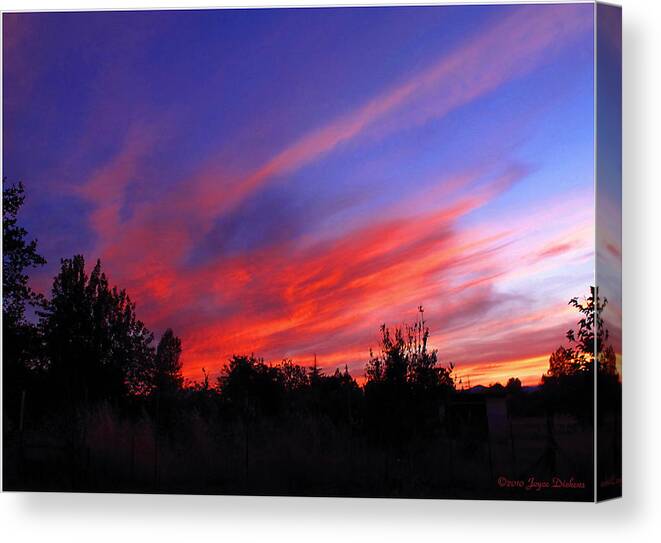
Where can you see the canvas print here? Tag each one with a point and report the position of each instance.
(358, 252)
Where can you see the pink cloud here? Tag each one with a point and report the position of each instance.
(503, 52)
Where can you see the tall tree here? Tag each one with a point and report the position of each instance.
(588, 342)
(96, 345)
(167, 364)
(568, 384)
(18, 255)
(21, 343)
(591, 335)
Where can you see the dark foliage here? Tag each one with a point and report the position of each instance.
(569, 382)
(249, 387)
(21, 342)
(106, 409)
(95, 345)
(19, 255)
(167, 378)
(405, 386)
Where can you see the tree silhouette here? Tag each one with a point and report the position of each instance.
(405, 384)
(591, 334)
(167, 365)
(18, 255)
(513, 385)
(21, 342)
(294, 377)
(587, 343)
(336, 396)
(406, 359)
(96, 346)
(569, 381)
(562, 363)
(250, 387)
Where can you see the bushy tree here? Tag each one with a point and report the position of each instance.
(562, 363)
(588, 342)
(405, 358)
(96, 346)
(513, 385)
(250, 387)
(405, 384)
(569, 381)
(294, 377)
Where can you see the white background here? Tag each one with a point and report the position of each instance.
(637, 517)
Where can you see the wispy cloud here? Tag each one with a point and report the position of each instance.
(495, 56)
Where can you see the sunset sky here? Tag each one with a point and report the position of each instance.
(284, 181)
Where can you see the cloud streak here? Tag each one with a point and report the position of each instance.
(503, 52)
